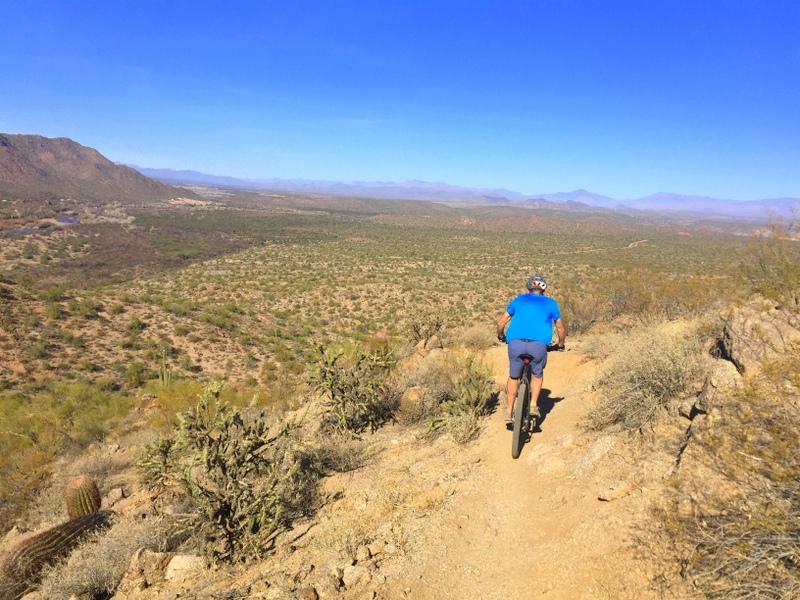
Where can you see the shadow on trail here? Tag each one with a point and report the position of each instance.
(546, 404)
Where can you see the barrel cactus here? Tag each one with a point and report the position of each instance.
(82, 496)
(21, 569)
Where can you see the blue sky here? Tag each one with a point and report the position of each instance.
(623, 98)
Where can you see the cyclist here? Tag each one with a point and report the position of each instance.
(531, 317)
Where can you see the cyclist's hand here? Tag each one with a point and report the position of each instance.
(501, 337)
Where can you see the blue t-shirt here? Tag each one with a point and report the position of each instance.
(532, 317)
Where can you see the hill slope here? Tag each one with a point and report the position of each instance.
(33, 167)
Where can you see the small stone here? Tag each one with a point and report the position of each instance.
(390, 548)
(183, 566)
(114, 496)
(376, 548)
(685, 407)
(307, 593)
(355, 575)
(363, 553)
(327, 586)
(617, 491)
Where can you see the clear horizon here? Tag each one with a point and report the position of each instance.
(624, 99)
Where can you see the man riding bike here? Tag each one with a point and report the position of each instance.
(531, 317)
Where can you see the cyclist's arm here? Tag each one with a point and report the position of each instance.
(562, 333)
(501, 326)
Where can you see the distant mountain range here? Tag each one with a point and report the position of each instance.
(33, 167)
(443, 192)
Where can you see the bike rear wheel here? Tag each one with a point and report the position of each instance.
(521, 413)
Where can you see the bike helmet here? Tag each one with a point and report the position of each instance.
(536, 282)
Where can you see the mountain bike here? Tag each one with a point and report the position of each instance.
(524, 422)
(521, 411)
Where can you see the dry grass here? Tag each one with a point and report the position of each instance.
(744, 545)
(645, 368)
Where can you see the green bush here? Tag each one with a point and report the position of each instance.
(135, 374)
(245, 478)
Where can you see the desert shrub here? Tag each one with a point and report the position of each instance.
(181, 395)
(423, 325)
(341, 453)
(470, 390)
(579, 312)
(86, 364)
(356, 386)
(135, 374)
(53, 310)
(770, 264)
(24, 474)
(135, 326)
(746, 544)
(646, 368)
(86, 308)
(476, 337)
(245, 478)
(54, 293)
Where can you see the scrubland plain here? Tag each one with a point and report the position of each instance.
(283, 298)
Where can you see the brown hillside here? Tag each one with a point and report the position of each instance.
(33, 167)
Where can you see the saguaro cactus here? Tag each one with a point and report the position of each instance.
(24, 563)
(82, 496)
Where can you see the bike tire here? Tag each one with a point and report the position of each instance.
(520, 414)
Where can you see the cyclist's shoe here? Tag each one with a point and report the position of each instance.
(535, 412)
(509, 417)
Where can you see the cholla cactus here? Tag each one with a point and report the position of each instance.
(82, 496)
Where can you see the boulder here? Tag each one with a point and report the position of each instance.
(433, 343)
(755, 331)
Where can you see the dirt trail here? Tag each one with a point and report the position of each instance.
(534, 526)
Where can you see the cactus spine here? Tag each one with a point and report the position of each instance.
(25, 561)
(82, 496)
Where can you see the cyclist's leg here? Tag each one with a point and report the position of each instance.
(515, 349)
(536, 387)
(511, 393)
